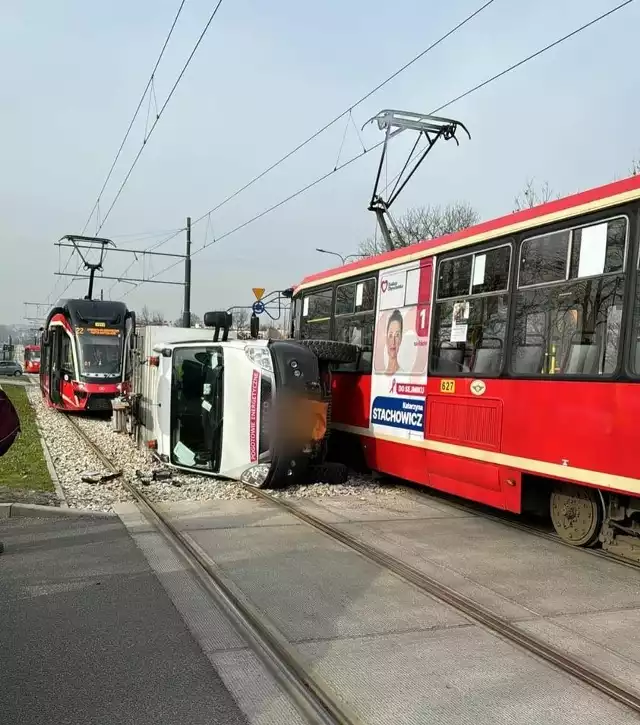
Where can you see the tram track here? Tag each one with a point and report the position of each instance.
(316, 700)
(479, 510)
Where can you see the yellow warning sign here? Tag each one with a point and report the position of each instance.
(258, 292)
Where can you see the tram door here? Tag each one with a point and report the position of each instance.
(54, 368)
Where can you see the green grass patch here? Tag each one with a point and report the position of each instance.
(24, 466)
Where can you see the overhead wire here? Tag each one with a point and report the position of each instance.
(146, 251)
(159, 115)
(349, 109)
(135, 115)
(153, 126)
(122, 144)
(457, 98)
(347, 112)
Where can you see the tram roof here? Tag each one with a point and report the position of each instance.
(601, 197)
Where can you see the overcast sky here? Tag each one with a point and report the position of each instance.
(267, 75)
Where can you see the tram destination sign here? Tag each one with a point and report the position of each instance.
(107, 331)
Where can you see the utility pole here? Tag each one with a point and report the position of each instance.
(186, 315)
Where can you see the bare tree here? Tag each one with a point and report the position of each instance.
(533, 195)
(149, 317)
(635, 167)
(195, 320)
(423, 222)
(240, 318)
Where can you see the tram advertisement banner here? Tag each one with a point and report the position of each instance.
(400, 352)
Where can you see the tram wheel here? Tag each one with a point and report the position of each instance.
(576, 514)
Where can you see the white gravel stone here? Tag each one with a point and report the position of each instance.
(72, 459)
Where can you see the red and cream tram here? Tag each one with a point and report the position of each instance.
(500, 363)
(32, 358)
(84, 358)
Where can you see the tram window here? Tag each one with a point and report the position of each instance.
(54, 336)
(577, 328)
(454, 278)
(316, 316)
(317, 305)
(366, 295)
(469, 336)
(357, 330)
(355, 320)
(470, 321)
(66, 359)
(345, 299)
(598, 249)
(544, 259)
(355, 297)
(568, 316)
(491, 270)
(475, 273)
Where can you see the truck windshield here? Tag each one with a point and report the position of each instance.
(197, 391)
(100, 356)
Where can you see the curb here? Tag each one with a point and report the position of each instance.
(52, 470)
(32, 510)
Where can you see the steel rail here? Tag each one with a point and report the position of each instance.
(315, 700)
(581, 671)
(519, 525)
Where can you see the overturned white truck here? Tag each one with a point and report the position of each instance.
(252, 410)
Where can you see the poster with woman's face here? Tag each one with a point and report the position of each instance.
(398, 349)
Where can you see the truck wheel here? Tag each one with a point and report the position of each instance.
(331, 351)
(329, 472)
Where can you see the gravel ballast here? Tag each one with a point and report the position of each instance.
(73, 459)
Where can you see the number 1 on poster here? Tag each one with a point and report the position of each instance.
(422, 326)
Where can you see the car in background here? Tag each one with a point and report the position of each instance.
(10, 367)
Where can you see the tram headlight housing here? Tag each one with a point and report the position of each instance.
(261, 356)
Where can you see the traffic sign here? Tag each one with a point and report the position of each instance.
(258, 307)
(258, 292)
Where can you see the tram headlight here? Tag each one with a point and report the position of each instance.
(256, 475)
(260, 356)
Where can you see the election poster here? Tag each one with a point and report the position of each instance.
(401, 349)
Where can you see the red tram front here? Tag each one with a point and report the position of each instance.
(84, 357)
(32, 359)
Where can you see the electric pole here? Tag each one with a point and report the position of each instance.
(186, 315)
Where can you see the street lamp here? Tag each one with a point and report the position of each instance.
(343, 259)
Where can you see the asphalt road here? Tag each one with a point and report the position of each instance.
(89, 636)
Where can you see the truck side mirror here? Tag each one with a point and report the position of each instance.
(254, 326)
(219, 321)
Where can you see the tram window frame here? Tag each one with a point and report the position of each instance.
(569, 283)
(296, 317)
(363, 365)
(503, 297)
(632, 361)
